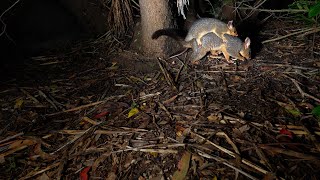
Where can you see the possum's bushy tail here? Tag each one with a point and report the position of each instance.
(175, 34)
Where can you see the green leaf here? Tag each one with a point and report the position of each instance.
(316, 111)
(314, 10)
(294, 112)
(290, 108)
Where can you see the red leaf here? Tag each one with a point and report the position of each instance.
(286, 132)
(84, 173)
(102, 114)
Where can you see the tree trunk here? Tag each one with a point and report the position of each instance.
(155, 15)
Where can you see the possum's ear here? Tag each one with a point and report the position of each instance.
(247, 43)
(230, 25)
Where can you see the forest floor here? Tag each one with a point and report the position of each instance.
(86, 114)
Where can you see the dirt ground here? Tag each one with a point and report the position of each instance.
(86, 114)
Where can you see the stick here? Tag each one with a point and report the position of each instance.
(167, 75)
(49, 100)
(232, 154)
(4, 24)
(11, 137)
(303, 94)
(291, 34)
(276, 10)
(84, 106)
(203, 154)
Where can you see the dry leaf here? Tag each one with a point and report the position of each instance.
(133, 112)
(235, 78)
(183, 167)
(42, 154)
(44, 176)
(244, 128)
(111, 176)
(114, 66)
(14, 146)
(19, 103)
(168, 101)
(213, 118)
(101, 114)
(198, 159)
(129, 160)
(100, 159)
(141, 178)
(154, 154)
(84, 173)
(2, 160)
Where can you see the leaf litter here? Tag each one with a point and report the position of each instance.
(131, 118)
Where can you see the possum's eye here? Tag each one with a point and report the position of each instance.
(249, 54)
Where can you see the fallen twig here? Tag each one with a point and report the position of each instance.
(4, 12)
(290, 153)
(85, 106)
(232, 154)
(78, 136)
(303, 94)
(34, 173)
(275, 10)
(206, 155)
(11, 137)
(167, 75)
(292, 34)
(49, 100)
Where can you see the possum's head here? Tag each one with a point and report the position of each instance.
(231, 29)
(245, 50)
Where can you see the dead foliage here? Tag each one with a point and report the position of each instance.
(87, 115)
(120, 16)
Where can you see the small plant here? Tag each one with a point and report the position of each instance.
(316, 112)
(310, 10)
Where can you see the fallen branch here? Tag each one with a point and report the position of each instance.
(232, 154)
(167, 76)
(292, 34)
(4, 12)
(85, 106)
(303, 94)
(223, 161)
(275, 10)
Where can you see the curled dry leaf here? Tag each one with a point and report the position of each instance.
(183, 167)
(100, 159)
(18, 104)
(286, 132)
(111, 176)
(15, 146)
(168, 101)
(44, 176)
(84, 173)
(101, 114)
(244, 128)
(213, 118)
(179, 130)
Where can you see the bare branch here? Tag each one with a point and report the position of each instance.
(4, 24)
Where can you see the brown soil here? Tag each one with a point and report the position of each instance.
(64, 114)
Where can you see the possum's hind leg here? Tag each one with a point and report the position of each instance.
(196, 55)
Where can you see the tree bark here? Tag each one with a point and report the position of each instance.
(155, 15)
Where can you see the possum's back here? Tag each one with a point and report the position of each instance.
(205, 25)
(209, 41)
(234, 44)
